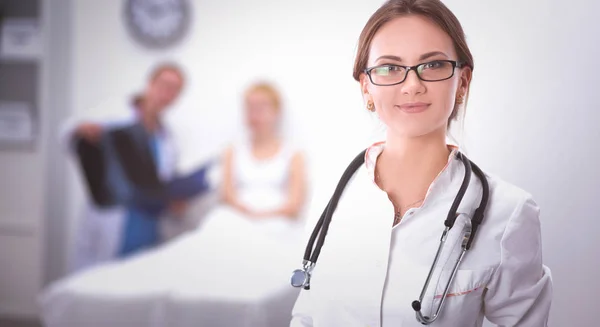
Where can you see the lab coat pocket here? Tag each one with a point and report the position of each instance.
(463, 301)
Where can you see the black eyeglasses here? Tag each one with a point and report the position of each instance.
(433, 71)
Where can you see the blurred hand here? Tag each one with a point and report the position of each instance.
(251, 213)
(260, 214)
(244, 210)
(89, 131)
(177, 208)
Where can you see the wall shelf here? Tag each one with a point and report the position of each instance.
(20, 80)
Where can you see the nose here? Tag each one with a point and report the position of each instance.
(412, 84)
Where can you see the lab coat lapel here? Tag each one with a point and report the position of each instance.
(370, 225)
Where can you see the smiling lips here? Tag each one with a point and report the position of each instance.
(414, 107)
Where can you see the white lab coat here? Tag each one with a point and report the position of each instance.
(99, 231)
(369, 273)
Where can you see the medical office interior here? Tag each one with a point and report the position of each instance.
(532, 118)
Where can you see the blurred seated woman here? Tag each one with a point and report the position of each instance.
(263, 181)
(233, 270)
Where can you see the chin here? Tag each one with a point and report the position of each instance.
(413, 131)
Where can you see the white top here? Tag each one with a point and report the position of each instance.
(369, 273)
(262, 184)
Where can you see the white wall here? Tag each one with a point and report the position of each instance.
(532, 117)
(533, 120)
(58, 107)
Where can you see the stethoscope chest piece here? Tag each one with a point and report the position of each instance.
(301, 277)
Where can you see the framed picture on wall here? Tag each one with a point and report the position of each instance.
(20, 39)
(17, 125)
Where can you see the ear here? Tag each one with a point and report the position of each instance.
(465, 80)
(364, 87)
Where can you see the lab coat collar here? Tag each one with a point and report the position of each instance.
(447, 178)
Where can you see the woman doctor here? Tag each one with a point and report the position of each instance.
(415, 68)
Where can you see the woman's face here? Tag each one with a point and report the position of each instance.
(261, 114)
(414, 107)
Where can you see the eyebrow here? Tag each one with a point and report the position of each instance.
(422, 57)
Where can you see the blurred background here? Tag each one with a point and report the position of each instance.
(532, 116)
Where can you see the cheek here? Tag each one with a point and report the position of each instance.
(164, 95)
(383, 97)
(252, 117)
(173, 93)
(256, 117)
(444, 102)
(267, 120)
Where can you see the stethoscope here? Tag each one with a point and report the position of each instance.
(301, 277)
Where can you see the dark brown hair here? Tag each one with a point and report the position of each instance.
(434, 10)
(167, 66)
(154, 73)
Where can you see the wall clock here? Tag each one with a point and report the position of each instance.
(157, 23)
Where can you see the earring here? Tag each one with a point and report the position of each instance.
(371, 106)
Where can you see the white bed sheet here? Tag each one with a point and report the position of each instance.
(227, 277)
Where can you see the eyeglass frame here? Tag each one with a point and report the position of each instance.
(455, 64)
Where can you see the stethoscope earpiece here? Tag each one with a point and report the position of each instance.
(416, 305)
